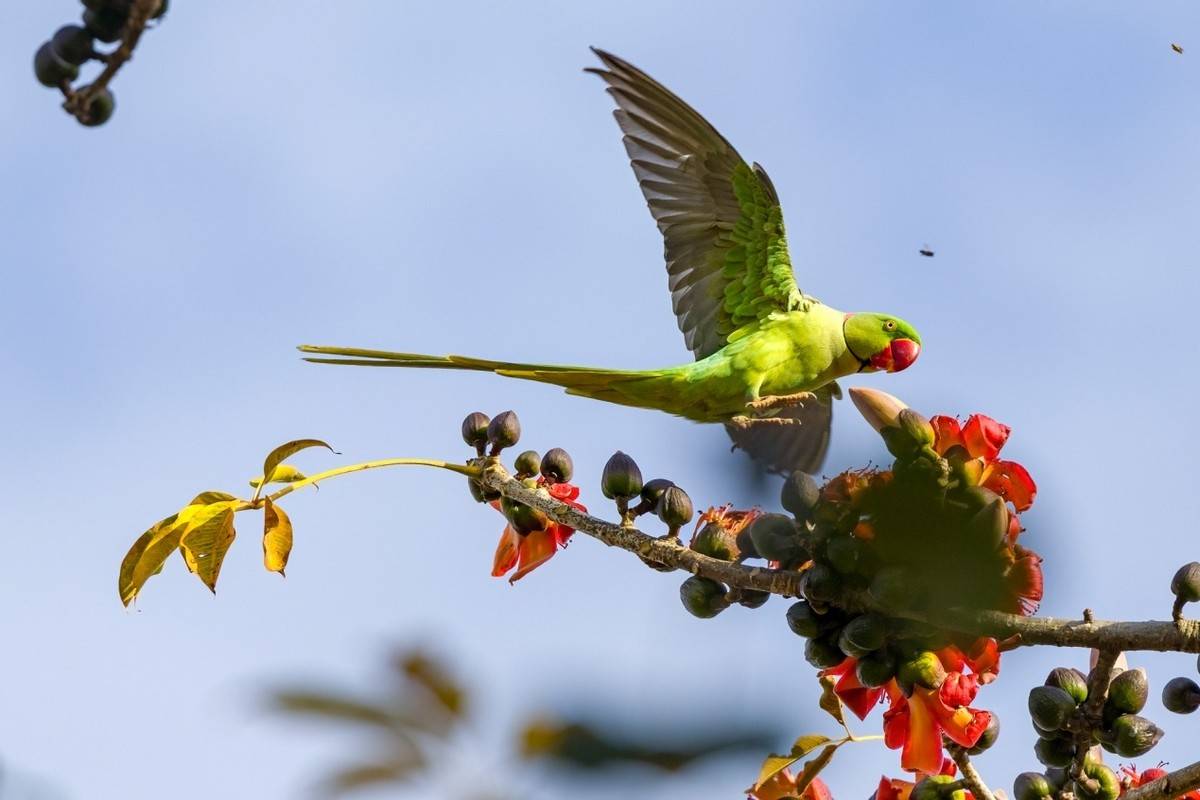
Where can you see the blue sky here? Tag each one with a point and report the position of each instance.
(446, 179)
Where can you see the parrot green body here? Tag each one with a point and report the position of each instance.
(760, 345)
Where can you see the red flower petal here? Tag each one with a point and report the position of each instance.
(564, 492)
(507, 552)
(895, 723)
(947, 433)
(536, 549)
(961, 725)
(817, 790)
(858, 698)
(958, 689)
(984, 659)
(983, 436)
(923, 745)
(1025, 580)
(1012, 482)
(893, 789)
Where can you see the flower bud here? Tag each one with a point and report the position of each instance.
(823, 653)
(557, 466)
(753, 598)
(72, 44)
(675, 508)
(803, 620)
(480, 493)
(503, 431)
(775, 538)
(51, 69)
(527, 463)
(843, 554)
(892, 587)
(876, 669)
(988, 526)
(1127, 693)
(621, 478)
(863, 635)
(916, 427)
(924, 670)
(937, 787)
(820, 584)
(880, 409)
(475, 429)
(800, 493)
(1098, 782)
(1071, 681)
(523, 519)
(1050, 707)
(1186, 583)
(702, 597)
(1131, 736)
(1181, 695)
(1055, 752)
(989, 736)
(1032, 786)
(653, 489)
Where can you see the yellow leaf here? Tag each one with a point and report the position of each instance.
(206, 538)
(774, 764)
(208, 498)
(830, 702)
(130, 578)
(277, 537)
(814, 767)
(277, 456)
(284, 473)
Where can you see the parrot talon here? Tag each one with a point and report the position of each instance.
(773, 402)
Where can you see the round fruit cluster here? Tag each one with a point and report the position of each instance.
(1063, 725)
(57, 61)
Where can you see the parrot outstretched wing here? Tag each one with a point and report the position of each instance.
(725, 247)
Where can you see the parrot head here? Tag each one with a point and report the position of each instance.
(881, 342)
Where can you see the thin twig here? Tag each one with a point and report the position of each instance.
(970, 775)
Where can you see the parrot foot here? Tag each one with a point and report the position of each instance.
(774, 402)
(745, 423)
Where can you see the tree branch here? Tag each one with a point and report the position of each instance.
(1183, 636)
(1171, 785)
(970, 775)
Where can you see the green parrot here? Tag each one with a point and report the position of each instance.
(767, 355)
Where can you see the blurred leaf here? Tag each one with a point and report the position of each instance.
(433, 677)
(774, 764)
(363, 776)
(284, 473)
(277, 456)
(207, 536)
(830, 703)
(328, 705)
(277, 537)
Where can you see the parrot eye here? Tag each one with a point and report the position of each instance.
(890, 325)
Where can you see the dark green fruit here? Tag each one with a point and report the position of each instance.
(863, 635)
(803, 620)
(876, 669)
(1132, 736)
(105, 24)
(892, 587)
(527, 463)
(800, 494)
(1032, 786)
(1186, 583)
(822, 653)
(1042, 733)
(100, 108)
(1054, 752)
(1050, 708)
(504, 430)
(702, 597)
(1058, 777)
(1127, 693)
(475, 429)
(481, 494)
(1098, 782)
(523, 519)
(51, 70)
(73, 44)
(843, 554)
(653, 489)
(989, 736)
(775, 538)
(621, 479)
(936, 787)
(675, 508)
(1181, 695)
(1071, 681)
(752, 598)
(924, 670)
(714, 541)
(819, 584)
(557, 466)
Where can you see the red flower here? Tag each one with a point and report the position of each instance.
(528, 551)
(1132, 779)
(982, 437)
(856, 697)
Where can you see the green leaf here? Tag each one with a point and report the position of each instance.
(284, 473)
(207, 536)
(277, 537)
(774, 764)
(284, 451)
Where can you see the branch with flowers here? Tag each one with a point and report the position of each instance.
(910, 583)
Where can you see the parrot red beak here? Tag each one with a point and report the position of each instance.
(900, 354)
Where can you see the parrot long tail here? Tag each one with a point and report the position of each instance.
(641, 388)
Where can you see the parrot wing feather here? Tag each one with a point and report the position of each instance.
(726, 253)
(798, 447)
